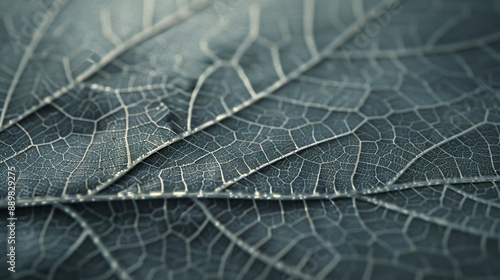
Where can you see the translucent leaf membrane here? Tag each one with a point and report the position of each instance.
(264, 140)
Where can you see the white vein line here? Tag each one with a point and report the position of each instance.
(161, 26)
(275, 55)
(70, 251)
(425, 217)
(254, 26)
(254, 15)
(473, 197)
(162, 185)
(129, 157)
(205, 49)
(34, 201)
(230, 182)
(308, 24)
(373, 236)
(107, 28)
(358, 156)
(147, 33)
(446, 27)
(434, 182)
(418, 156)
(209, 71)
(24, 149)
(224, 260)
(113, 263)
(41, 238)
(246, 81)
(28, 53)
(358, 9)
(87, 149)
(135, 89)
(67, 70)
(277, 264)
(492, 161)
(148, 13)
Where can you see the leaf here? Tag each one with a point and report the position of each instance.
(234, 140)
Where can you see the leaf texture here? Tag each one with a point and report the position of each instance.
(264, 140)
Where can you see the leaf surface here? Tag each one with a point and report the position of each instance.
(234, 140)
